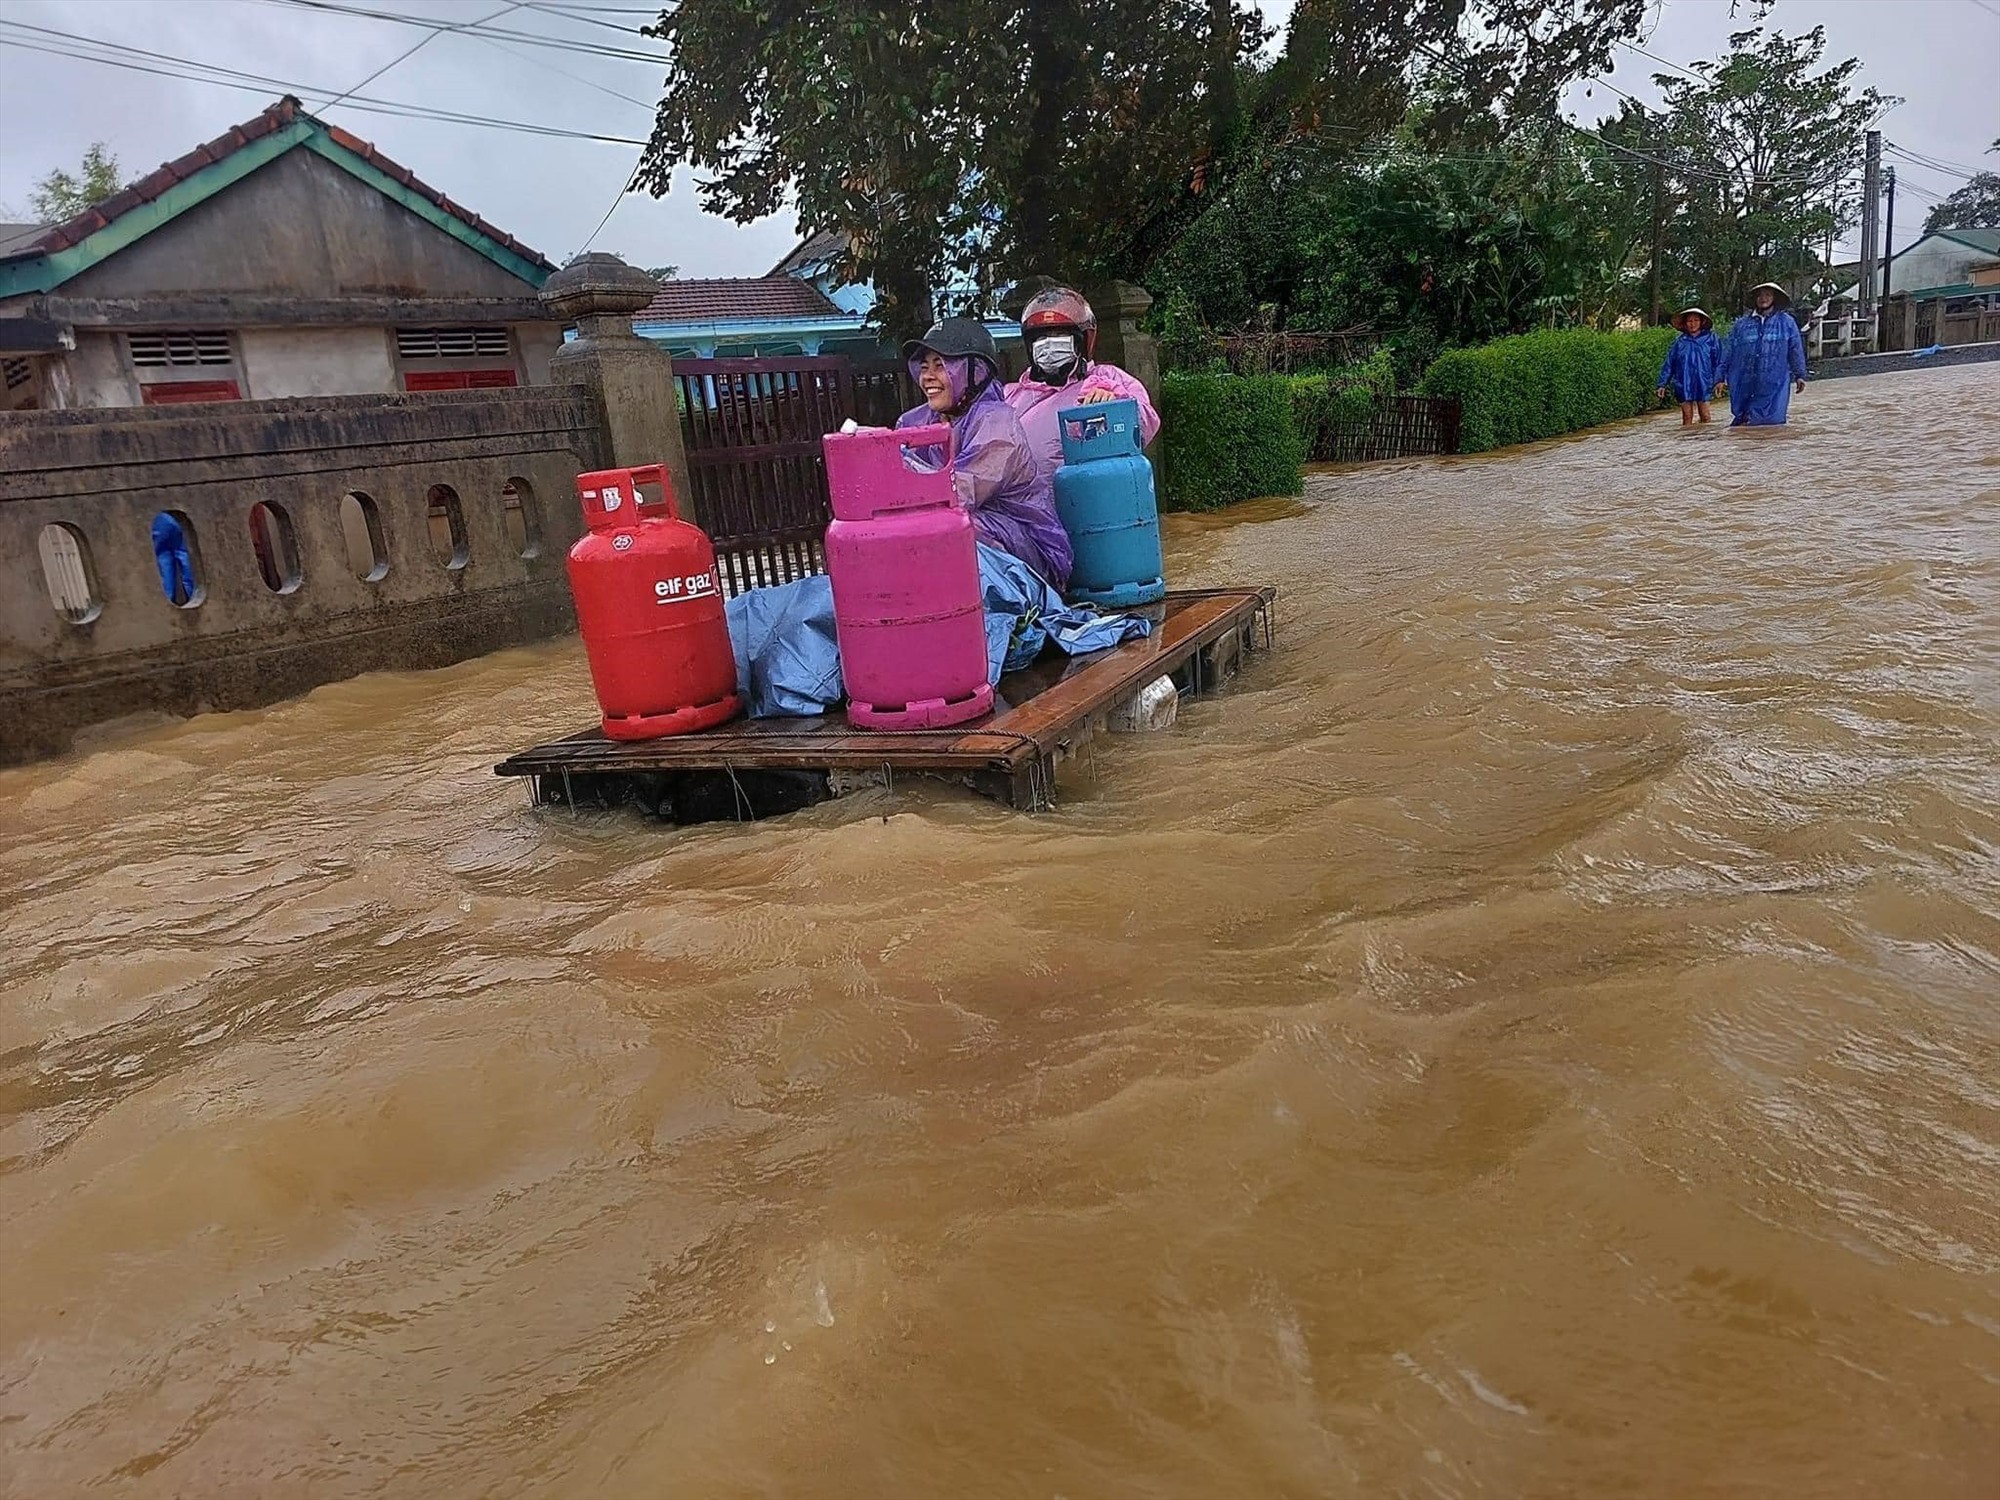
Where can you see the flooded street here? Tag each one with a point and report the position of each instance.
(1538, 1032)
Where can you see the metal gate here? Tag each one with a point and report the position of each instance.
(752, 429)
(1398, 426)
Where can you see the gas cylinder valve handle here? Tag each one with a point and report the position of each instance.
(909, 439)
(655, 473)
(919, 437)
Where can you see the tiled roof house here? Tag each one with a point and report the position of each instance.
(284, 258)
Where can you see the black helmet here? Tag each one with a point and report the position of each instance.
(955, 338)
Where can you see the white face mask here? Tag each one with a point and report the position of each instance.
(1053, 351)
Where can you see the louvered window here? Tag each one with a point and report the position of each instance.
(18, 373)
(453, 343)
(154, 351)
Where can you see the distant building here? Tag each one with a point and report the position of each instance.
(1938, 264)
(802, 305)
(817, 259)
(778, 314)
(285, 258)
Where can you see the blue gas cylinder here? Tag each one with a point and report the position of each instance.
(1104, 494)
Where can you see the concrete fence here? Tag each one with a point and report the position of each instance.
(1946, 321)
(327, 536)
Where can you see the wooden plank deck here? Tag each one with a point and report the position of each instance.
(1040, 715)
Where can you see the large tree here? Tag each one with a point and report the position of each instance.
(960, 143)
(1425, 235)
(1760, 145)
(1974, 206)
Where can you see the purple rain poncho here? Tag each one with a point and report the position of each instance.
(1009, 497)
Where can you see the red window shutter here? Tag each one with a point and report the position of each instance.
(434, 380)
(175, 392)
(458, 380)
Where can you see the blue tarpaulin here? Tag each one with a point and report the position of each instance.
(788, 657)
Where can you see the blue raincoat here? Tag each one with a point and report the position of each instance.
(1764, 356)
(1011, 500)
(1689, 372)
(170, 551)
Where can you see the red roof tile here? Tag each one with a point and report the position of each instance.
(277, 117)
(738, 299)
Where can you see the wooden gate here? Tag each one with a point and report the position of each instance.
(752, 429)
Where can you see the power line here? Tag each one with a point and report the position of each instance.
(1936, 164)
(1663, 62)
(507, 9)
(528, 38)
(167, 66)
(568, 14)
(620, 198)
(645, 104)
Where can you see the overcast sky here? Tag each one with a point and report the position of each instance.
(1942, 56)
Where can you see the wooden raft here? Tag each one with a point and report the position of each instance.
(753, 767)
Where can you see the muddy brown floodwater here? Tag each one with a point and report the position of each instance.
(1537, 1034)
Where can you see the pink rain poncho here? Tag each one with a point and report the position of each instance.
(1037, 404)
(996, 474)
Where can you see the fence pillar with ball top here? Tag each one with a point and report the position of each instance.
(632, 377)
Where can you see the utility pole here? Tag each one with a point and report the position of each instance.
(1659, 234)
(1889, 235)
(1871, 202)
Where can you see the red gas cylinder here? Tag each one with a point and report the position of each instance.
(649, 604)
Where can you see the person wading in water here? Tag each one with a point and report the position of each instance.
(1764, 361)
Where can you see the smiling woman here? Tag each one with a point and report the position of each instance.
(957, 367)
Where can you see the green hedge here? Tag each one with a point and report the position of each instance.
(1226, 438)
(1539, 385)
(1323, 405)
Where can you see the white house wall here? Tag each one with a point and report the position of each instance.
(537, 343)
(316, 361)
(1931, 262)
(97, 371)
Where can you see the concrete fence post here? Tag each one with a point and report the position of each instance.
(632, 377)
(1898, 322)
(1119, 306)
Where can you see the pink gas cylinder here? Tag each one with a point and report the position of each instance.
(649, 606)
(905, 571)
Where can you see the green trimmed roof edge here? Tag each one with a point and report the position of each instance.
(44, 273)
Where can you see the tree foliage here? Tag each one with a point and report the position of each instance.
(961, 144)
(1973, 206)
(1445, 231)
(1459, 240)
(63, 195)
(1760, 144)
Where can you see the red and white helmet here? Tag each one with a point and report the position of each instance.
(1059, 307)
